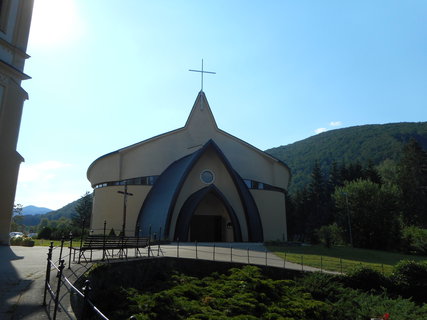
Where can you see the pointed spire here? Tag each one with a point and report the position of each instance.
(201, 114)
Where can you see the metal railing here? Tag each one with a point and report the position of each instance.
(53, 288)
(261, 256)
(239, 253)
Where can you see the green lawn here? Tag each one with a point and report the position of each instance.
(46, 243)
(341, 258)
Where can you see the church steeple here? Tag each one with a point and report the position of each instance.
(201, 115)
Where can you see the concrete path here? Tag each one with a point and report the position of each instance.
(244, 252)
(22, 276)
(22, 272)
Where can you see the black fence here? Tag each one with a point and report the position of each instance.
(58, 272)
(58, 286)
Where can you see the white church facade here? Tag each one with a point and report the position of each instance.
(196, 183)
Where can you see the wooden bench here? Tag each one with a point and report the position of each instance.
(108, 244)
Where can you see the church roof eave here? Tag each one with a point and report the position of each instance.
(263, 153)
(200, 104)
(124, 149)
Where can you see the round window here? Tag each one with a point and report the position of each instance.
(207, 176)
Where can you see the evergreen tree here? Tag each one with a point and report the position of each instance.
(290, 215)
(388, 171)
(412, 174)
(83, 211)
(317, 200)
(297, 217)
(371, 173)
(335, 177)
(351, 172)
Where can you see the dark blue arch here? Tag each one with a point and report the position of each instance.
(186, 213)
(157, 209)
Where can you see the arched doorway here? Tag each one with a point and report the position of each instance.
(206, 216)
(210, 220)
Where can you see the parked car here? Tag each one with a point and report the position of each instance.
(15, 233)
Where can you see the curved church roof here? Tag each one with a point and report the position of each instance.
(195, 118)
(199, 128)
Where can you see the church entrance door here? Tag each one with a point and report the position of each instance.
(206, 228)
(206, 216)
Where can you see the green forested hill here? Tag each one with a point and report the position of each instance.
(348, 145)
(66, 211)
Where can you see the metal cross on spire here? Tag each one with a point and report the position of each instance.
(202, 72)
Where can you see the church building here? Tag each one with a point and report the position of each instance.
(196, 183)
(15, 21)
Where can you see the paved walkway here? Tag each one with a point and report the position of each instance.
(21, 282)
(22, 272)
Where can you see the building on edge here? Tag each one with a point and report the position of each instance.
(15, 20)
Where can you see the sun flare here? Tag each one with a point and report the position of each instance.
(54, 22)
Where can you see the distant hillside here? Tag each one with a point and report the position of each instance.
(65, 212)
(349, 145)
(34, 210)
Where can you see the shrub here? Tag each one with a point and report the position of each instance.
(321, 286)
(22, 241)
(16, 241)
(28, 242)
(242, 293)
(410, 279)
(414, 240)
(45, 233)
(330, 235)
(366, 279)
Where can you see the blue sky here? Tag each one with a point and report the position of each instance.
(107, 74)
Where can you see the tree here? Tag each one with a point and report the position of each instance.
(371, 173)
(17, 218)
(371, 212)
(83, 211)
(317, 200)
(412, 174)
(334, 178)
(351, 172)
(388, 171)
(297, 215)
(330, 235)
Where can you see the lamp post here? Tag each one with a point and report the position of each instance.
(348, 218)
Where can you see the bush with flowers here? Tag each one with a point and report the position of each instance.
(22, 241)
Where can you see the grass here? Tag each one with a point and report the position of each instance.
(46, 243)
(341, 258)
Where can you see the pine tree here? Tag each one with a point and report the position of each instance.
(412, 173)
(371, 173)
(83, 211)
(317, 200)
(298, 216)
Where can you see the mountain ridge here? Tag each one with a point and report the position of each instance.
(66, 211)
(365, 143)
(34, 210)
